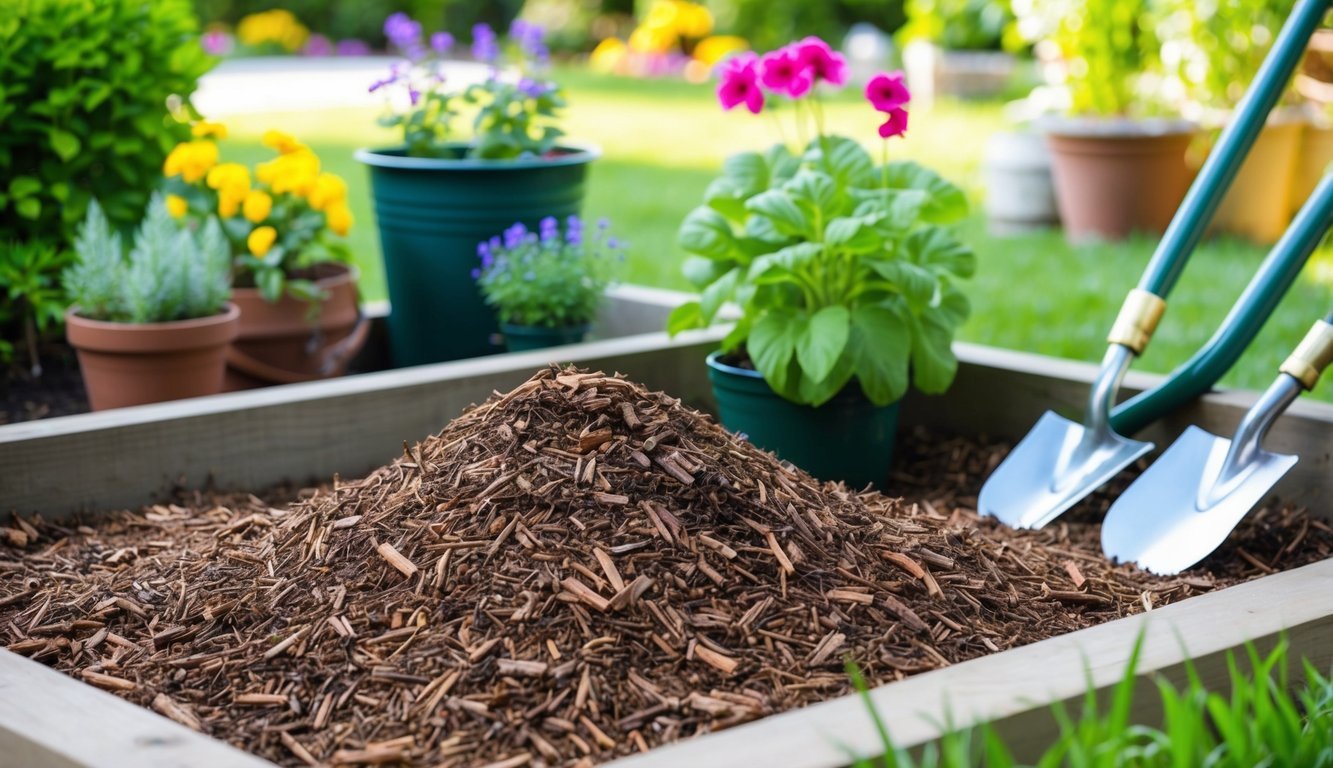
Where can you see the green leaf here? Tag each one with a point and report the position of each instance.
(700, 271)
(64, 143)
(789, 259)
(782, 164)
(772, 343)
(717, 293)
(937, 249)
(23, 186)
(916, 284)
(29, 207)
(843, 159)
(817, 190)
(707, 233)
(269, 282)
(822, 341)
(881, 347)
(933, 361)
(779, 208)
(685, 317)
(853, 233)
(817, 392)
(748, 173)
(947, 202)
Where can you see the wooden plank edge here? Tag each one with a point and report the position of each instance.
(1014, 688)
(49, 719)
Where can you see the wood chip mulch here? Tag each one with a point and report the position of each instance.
(570, 572)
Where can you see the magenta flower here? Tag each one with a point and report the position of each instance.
(782, 71)
(887, 91)
(740, 83)
(823, 62)
(896, 125)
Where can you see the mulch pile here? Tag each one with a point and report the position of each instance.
(572, 571)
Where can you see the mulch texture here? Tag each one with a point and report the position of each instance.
(569, 572)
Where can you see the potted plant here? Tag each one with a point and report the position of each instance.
(958, 47)
(1222, 46)
(438, 194)
(845, 271)
(1119, 164)
(154, 326)
(546, 286)
(300, 319)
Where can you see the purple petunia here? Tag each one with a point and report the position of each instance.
(533, 89)
(351, 47)
(514, 236)
(485, 47)
(550, 229)
(441, 42)
(402, 32)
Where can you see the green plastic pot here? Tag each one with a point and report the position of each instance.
(521, 338)
(848, 438)
(432, 212)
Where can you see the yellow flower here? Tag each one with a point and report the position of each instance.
(276, 26)
(652, 38)
(693, 20)
(261, 240)
(257, 206)
(177, 206)
(232, 181)
(191, 160)
(608, 56)
(293, 172)
(328, 190)
(204, 129)
(339, 218)
(711, 50)
(282, 143)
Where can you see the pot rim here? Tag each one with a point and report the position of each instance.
(540, 329)
(714, 361)
(229, 311)
(579, 154)
(86, 334)
(348, 273)
(1095, 127)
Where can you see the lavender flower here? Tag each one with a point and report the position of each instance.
(531, 39)
(549, 229)
(514, 236)
(441, 42)
(396, 72)
(351, 47)
(317, 45)
(533, 89)
(403, 33)
(485, 47)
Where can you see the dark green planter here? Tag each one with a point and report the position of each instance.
(848, 438)
(521, 338)
(432, 213)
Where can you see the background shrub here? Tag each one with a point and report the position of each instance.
(83, 94)
(364, 19)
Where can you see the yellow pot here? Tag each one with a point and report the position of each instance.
(1313, 158)
(1258, 205)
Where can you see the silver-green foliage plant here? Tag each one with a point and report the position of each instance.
(1266, 719)
(171, 273)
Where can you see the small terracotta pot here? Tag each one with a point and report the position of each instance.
(132, 364)
(281, 343)
(1114, 177)
(1258, 204)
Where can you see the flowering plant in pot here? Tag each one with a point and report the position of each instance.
(154, 325)
(284, 221)
(845, 271)
(547, 286)
(1119, 154)
(446, 187)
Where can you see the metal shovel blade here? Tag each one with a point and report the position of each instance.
(1176, 513)
(1053, 468)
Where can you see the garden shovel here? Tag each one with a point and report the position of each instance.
(1190, 499)
(1060, 461)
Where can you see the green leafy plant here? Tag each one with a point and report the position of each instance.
(1265, 719)
(84, 88)
(1222, 44)
(546, 278)
(171, 273)
(30, 294)
(1111, 54)
(843, 269)
(961, 25)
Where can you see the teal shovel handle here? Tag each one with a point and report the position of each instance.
(1205, 194)
(1242, 324)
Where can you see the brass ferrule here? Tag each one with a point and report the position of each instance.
(1137, 320)
(1312, 356)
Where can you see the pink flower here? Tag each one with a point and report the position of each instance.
(823, 62)
(740, 83)
(896, 125)
(887, 92)
(782, 71)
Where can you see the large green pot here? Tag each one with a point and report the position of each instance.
(522, 338)
(432, 212)
(848, 438)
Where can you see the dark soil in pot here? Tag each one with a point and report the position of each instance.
(576, 570)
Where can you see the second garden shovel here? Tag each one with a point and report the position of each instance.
(1185, 504)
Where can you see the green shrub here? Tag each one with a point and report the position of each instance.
(171, 273)
(769, 24)
(31, 300)
(962, 25)
(364, 19)
(83, 104)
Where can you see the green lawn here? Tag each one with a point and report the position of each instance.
(664, 141)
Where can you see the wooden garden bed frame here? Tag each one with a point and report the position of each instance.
(307, 432)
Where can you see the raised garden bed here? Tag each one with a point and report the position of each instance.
(120, 459)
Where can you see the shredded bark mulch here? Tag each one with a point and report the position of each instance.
(570, 572)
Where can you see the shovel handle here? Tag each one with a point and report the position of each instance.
(1312, 355)
(1218, 171)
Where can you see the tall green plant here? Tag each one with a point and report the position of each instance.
(961, 25)
(1222, 44)
(83, 105)
(1111, 54)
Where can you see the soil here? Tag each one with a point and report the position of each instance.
(58, 391)
(570, 572)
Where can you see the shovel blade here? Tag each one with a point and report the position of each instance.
(1047, 473)
(1166, 521)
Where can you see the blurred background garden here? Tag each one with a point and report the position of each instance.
(638, 77)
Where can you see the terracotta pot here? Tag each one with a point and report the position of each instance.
(132, 364)
(282, 343)
(1258, 204)
(1114, 177)
(1312, 158)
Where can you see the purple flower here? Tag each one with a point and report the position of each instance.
(495, 244)
(550, 229)
(573, 230)
(351, 47)
(603, 224)
(612, 243)
(414, 95)
(441, 42)
(533, 89)
(216, 43)
(476, 273)
(514, 236)
(396, 72)
(317, 45)
(531, 38)
(402, 31)
(484, 45)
